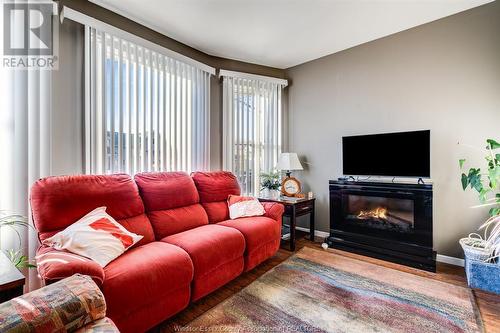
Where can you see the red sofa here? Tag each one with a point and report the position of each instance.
(189, 248)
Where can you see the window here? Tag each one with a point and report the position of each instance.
(146, 111)
(252, 126)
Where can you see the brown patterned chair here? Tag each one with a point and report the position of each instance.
(74, 304)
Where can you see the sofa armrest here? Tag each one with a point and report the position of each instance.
(55, 265)
(273, 210)
(64, 306)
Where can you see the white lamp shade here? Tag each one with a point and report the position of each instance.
(289, 161)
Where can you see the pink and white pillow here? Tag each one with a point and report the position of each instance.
(96, 236)
(244, 206)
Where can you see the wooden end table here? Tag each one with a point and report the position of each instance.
(11, 280)
(294, 209)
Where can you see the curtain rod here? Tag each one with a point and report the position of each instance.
(249, 76)
(71, 14)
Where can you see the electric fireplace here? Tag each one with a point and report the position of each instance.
(381, 213)
(384, 220)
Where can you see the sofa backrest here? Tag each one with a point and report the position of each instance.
(57, 202)
(214, 188)
(172, 202)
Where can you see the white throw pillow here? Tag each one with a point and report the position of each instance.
(240, 206)
(96, 236)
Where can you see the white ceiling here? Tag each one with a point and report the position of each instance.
(282, 33)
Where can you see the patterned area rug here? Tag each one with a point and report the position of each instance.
(318, 291)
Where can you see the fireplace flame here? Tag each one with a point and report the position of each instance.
(377, 213)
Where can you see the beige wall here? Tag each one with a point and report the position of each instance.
(443, 76)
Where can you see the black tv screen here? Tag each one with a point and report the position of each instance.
(404, 154)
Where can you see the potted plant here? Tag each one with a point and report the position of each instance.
(482, 252)
(270, 183)
(12, 221)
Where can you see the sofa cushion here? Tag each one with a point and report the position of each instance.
(216, 185)
(262, 237)
(214, 188)
(172, 221)
(58, 202)
(166, 190)
(216, 252)
(171, 201)
(216, 211)
(146, 278)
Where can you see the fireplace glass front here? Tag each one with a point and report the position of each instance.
(382, 213)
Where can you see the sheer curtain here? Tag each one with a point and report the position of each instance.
(25, 148)
(146, 111)
(252, 125)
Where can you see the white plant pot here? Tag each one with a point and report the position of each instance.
(274, 194)
(270, 194)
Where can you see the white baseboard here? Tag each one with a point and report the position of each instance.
(440, 257)
(316, 232)
(450, 260)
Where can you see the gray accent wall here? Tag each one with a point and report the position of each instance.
(443, 76)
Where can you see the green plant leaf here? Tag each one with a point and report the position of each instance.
(19, 260)
(465, 181)
(488, 182)
(482, 194)
(494, 176)
(475, 179)
(493, 144)
(461, 162)
(270, 180)
(23, 262)
(494, 211)
(477, 185)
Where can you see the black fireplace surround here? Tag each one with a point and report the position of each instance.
(390, 221)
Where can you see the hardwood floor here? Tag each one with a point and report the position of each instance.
(489, 304)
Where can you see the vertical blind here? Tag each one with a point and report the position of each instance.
(146, 111)
(252, 129)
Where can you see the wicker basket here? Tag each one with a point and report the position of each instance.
(474, 248)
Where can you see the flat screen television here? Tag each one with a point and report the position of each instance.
(403, 154)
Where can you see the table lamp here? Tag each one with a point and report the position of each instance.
(290, 186)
